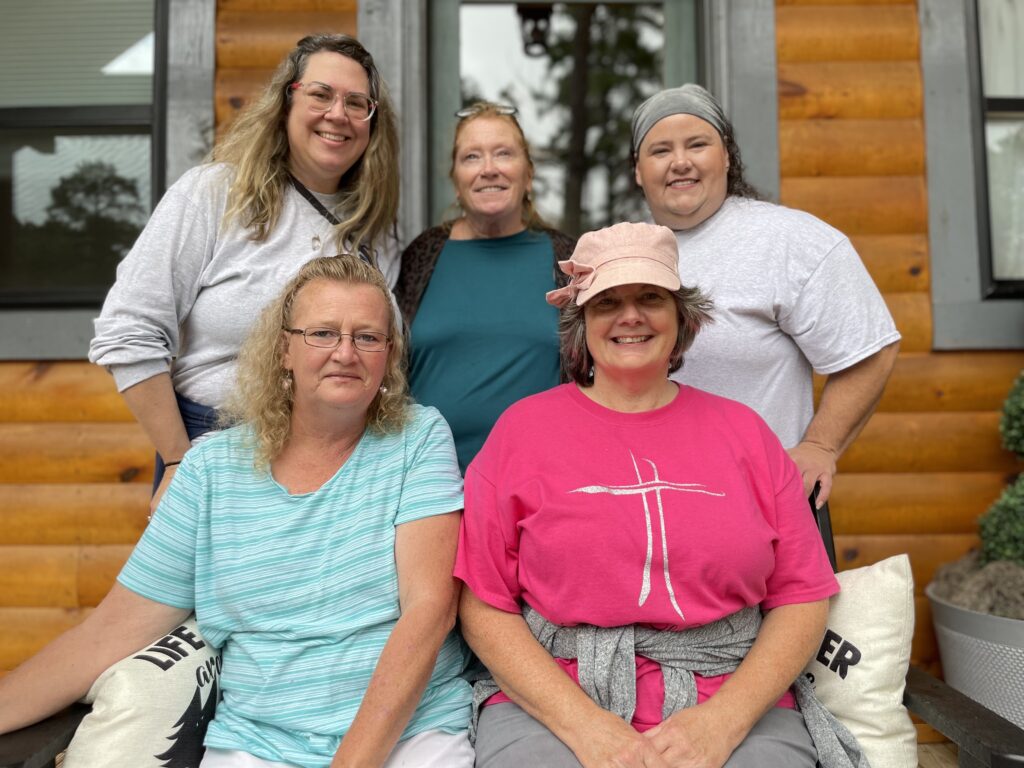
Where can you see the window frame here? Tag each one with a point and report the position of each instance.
(965, 315)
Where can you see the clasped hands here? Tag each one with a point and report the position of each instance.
(695, 737)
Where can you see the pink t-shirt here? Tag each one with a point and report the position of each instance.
(671, 518)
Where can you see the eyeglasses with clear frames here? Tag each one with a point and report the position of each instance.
(475, 109)
(328, 338)
(321, 98)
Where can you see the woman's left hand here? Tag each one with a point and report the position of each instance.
(817, 464)
(695, 737)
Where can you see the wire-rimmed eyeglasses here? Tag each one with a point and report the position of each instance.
(322, 98)
(475, 109)
(329, 338)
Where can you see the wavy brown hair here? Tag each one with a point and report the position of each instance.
(693, 310)
(260, 398)
(256, 147)
(530, 216)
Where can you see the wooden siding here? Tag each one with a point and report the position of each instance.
(851, 145)
(253, 36)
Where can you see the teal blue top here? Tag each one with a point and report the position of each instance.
(484, 337)
(300, 592)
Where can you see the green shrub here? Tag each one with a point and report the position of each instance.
(1011, 425)
(1002, 526)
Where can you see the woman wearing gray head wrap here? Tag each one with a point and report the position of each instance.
(791, 294)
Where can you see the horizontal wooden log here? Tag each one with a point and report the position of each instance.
(294, 6)
(59, 391)
(927, 551)
(39, 576)
(897, 263)
(846, 33)
(912, 313)
(890, 503)
(60, 513)
(97, 570)
(851, 147)
(924, 650)
(24, 631)
(60, 576)
(929, 442)
(233, 89)
(262, 40)
(74, 453)
(862, 205)
(852, 90)
(951, 381)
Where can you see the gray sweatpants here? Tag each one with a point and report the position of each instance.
(507, 737)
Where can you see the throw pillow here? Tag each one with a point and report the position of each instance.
(151, 709)
(860, 668)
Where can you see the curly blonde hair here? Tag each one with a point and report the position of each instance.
(531, 217)
(256, 146)
(261, 398)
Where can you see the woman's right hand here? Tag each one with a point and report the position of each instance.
(610, 742)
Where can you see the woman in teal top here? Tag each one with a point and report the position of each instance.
(315, 543)
(471, 290)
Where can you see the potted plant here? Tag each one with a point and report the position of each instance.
(978, 601)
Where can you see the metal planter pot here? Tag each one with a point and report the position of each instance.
(982, 656)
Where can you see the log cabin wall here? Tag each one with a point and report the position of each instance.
(852, 151)
(75, 469)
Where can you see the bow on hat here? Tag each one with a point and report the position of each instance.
(581, 277)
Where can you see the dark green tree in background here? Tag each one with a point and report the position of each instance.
(602, 65)
(100, 205)
(93, 218)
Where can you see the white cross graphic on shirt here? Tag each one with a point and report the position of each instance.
(642, 488)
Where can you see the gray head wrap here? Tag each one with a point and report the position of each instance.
(689, 99)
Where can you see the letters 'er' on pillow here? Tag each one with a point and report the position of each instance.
(151, 709)
(860, 668)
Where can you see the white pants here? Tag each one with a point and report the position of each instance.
(430, 749)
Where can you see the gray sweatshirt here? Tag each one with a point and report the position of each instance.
(190, 288)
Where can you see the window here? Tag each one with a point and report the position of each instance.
(76, 116)
(964, 314)
(1000, 31)
(575, 73)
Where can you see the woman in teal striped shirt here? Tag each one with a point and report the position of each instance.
(315, 542)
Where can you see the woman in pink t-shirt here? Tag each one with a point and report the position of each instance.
(623, 537)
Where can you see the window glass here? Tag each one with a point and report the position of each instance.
(77, 203)
(1001, 30)
(575, 95)
(86, 52)
(1001, 25)
(1004, 137)
(75, 116)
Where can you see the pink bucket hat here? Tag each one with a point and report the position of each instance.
(619, 255)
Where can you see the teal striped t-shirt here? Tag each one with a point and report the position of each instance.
(301, 591)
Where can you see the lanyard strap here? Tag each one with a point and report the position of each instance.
(364, 252)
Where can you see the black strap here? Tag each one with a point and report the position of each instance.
(364, 252)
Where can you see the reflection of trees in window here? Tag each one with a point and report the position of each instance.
(93, 218)
(603, 63)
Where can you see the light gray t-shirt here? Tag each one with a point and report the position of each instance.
(190, 289)
(791, 295)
